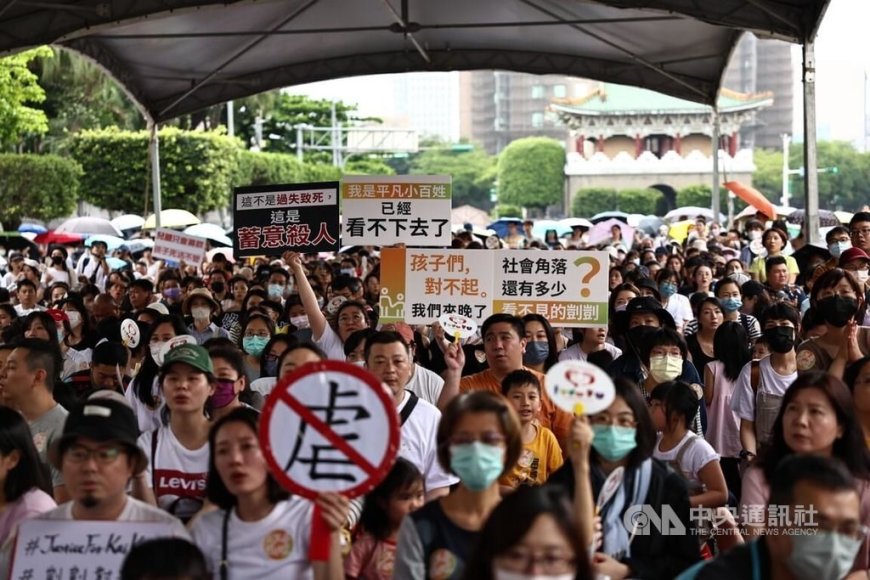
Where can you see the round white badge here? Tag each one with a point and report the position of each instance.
(580, 387)
(454, 324)
(130, 335)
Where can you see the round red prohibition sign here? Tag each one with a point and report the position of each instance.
(329, 426)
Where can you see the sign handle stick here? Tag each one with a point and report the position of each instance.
(318, 551)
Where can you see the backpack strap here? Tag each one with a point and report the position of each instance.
(754, 375)
(408, 408)
(224, 564)
(684, 448)
(153, 457)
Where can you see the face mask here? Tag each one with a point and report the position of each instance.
(201, 313)
(224, 393)
(837, 310)
(666, 367)
(218, 287)
(156, 349)
(172, 293)
(348, 272)
(477, 464)
(276, 291)
(755, 235)
(254, 345)
(300, 322)
(638, 335)
(359, 363)
(862, 275)
(837, 248)
(57, 261)
(508, 575)
(731, 304)
(613, 442)
(780, 338)
(270, 368)
(536, 352)
(667, 289)
(75, 319)
(822, 556)
(620, 307)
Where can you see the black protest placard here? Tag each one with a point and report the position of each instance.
(272, 219)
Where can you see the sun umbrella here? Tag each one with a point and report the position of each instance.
(117, 263)
(112, 242)
(500, 226)
(212, 232)
(28, 228)
(171, 218)
(826, 218)
(748, 212)
(540, 227)
(650, 224)
(129, 222)
(576, 222)
(468, 214)
(88, 226)
(689, 213)
(680, 230)
(600, 232)
(139, 245)
(606, 215)
(753, 197)
(55, 237)
(227, 252)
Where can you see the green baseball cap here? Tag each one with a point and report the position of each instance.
(189, 354)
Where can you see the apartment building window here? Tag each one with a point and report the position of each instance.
(538, 92)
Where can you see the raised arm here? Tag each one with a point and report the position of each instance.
(306, 294)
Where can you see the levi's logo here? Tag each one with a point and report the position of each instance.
(181, 484)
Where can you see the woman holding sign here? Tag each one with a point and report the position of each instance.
(260, 531)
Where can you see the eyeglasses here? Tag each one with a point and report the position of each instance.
(351, 318)
(103, 455)
(521, 560)
(258, 334)
(863, 232)
(619, 420)
(488, 438)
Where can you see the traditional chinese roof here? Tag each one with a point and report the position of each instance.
(612, 99)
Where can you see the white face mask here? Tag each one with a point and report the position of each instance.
(156, 349)
(75, 319)
(200, 312)
(862, 275)
(300, 322)
(755, 235)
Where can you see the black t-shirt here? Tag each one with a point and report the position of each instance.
(446, 546)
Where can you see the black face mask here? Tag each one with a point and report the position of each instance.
(780, 338)
(218, 287)
(57, 260)
(837, 310)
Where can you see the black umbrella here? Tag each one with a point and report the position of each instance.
(827, 218)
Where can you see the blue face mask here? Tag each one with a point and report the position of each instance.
(254, 345)
(477, 464)
(276, 291)
(731, 304)
(613, 442)
(536, 352)
(822, 555)
(667, 289)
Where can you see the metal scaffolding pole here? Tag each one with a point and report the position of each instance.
(154, 145)
(714, 191)
(811, 176)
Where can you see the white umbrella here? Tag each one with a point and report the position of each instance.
(687, 213)
(89, 226)
(171, 218)
(576, 222)
(212, 232)
(129, 221)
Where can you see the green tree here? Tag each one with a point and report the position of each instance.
(474, 173)
(590, 201)
(505, 210)
(368, 166)
(531, 173)
(768, 173)
(19, 92)
(42, 187)
(642, 201)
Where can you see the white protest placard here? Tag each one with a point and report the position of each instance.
(393, 209)
(78, 550)
(569, 289)
(177, 247)
(580, 387)
(420, 285)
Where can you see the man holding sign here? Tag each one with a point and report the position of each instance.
(504, 344)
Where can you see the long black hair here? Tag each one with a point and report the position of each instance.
(645, 434)
(29, 472)
(144, 381)
(731, 346)
(373, 518)
(553, 354)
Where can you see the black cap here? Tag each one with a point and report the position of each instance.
(102, 420)
(643, 305)
(649, 284)
(752, 288)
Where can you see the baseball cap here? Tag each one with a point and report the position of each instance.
(189, 354)
(102, 420)
(405, 331)
(853, 254)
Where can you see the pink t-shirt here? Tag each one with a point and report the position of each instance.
(370, 558)
(32, 503)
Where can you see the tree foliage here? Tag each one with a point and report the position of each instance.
(474, 172)
(42, 187)
(642, 201)
(506, 210)
(19, 93)
(198, 169)
(531, 173)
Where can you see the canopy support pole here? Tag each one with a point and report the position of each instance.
(154, 146)
(714, 191)
(811, 175)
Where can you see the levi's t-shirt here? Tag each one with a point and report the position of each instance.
(177, 474)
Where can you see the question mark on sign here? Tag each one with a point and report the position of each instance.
(595, 267)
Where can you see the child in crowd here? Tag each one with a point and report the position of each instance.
(541, 454)
(374, 549)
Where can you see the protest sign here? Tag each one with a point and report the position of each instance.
(567, 288)
(392, 209)
(419, 286)
(177, 247)
(580, 387)
(273, 219)
(78, 550)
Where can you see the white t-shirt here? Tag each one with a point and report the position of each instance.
(574, 352)
(22, 311)
(275, 547)
(743, 399)
(177, 474)
(331, 344)
(148, 418)
(419, 443)
(699, 454)
(425, 384)
(681, 309)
